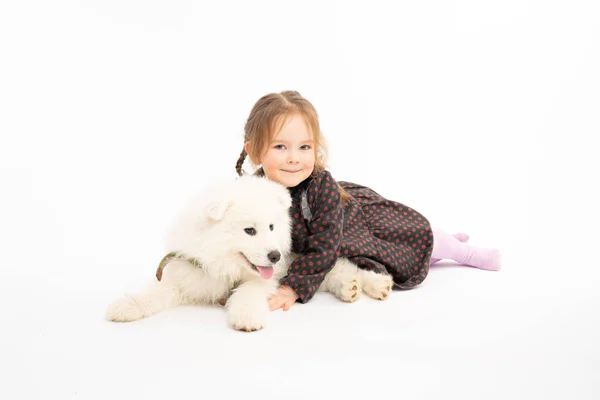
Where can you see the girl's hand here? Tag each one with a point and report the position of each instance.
(284, 298)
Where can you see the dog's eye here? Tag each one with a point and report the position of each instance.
(271, 227)
(250, 231)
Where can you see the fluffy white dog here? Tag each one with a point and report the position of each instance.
(234, 243)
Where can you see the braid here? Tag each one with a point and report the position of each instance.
(240, 162)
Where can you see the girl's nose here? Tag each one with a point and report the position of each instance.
(292, 157)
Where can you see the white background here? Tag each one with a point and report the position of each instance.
(479, 114)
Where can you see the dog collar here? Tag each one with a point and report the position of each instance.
(163, 263)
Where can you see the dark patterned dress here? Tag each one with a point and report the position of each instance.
(374, 233)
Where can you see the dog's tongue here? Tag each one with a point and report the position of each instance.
(265, 272)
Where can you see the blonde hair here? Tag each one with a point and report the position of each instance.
(267, 117)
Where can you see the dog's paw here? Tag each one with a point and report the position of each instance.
(124, 309)
(349, 290)
(247, 318)
(377, 286)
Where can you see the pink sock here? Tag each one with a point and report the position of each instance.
(446, 246)
(462, 237)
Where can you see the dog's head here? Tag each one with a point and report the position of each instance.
(241, 224)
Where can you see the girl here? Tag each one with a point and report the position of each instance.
(340, 219)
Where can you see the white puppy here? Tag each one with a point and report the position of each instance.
(234, 243)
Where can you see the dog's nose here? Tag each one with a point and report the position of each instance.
(274, 256)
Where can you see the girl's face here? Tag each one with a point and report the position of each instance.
(290, 156)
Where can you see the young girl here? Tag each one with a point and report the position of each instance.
(340, 219)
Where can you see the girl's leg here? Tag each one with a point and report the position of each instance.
(462, 237)
(446, 246)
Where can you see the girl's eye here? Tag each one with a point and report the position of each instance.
(250, 231)
(279, 147)
(305, 147)
(271, 227)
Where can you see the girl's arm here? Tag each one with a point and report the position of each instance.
(307, 272)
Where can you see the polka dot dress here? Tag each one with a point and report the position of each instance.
(372, 232)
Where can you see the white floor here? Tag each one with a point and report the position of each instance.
(465, 333)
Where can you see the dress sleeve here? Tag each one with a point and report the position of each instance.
(308, 270)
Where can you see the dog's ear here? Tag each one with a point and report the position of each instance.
(216, 209)
(284, 198)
